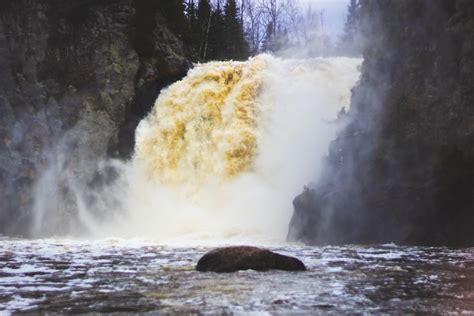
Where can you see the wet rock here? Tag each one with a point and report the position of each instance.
(402, 170)
(74, 82)
(231, 259)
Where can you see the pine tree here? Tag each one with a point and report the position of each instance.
(236, 46)
(173, 11)
(192, 34)
(349, 43)
(216, 39)
(204, 23)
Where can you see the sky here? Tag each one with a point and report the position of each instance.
(334, 13)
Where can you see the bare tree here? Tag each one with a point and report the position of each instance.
(279, 26)
(254, 26)
(302, 27)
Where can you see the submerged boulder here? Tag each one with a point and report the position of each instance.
(231, 259)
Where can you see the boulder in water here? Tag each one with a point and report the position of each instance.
(231, 259)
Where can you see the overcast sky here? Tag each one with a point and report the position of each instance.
(334, 12)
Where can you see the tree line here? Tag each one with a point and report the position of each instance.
(211, 30)
(237, 29)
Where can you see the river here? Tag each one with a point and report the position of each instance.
(119, 275)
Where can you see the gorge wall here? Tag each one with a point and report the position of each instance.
(75, 79)
(402, 171)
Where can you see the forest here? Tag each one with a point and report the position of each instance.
(232, 29)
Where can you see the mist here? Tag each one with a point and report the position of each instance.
(294, 118)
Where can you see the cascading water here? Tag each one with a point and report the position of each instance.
(224, 151)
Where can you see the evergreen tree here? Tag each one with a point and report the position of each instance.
(192, 35)
(236, 46)
(216, 39)
(349, 43)
(212, 33)
(173, 11)
(204, 22)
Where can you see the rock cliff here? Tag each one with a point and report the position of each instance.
(75, 79)
(402, 171)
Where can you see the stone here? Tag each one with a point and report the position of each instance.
(72, 77)
(402, 169)
(231, 259)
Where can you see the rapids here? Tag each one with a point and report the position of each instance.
(126, 276)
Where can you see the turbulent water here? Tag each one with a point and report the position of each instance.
(221, 155)
(217, 161)
(64, 276)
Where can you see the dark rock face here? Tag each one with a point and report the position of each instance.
(403, 169)
(73, 83)
(231, 259)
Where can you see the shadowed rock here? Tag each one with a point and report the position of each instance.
(74, 95)
(231, 259)
(402, 169)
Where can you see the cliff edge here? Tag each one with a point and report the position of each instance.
(402, 171)
(75, 79)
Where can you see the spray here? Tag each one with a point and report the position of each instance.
(224, 151)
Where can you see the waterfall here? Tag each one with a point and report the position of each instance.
(224, 151)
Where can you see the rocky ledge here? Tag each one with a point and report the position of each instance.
(231, 259)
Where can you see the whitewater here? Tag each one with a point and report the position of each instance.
(220, 156)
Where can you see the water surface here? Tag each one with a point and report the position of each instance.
(73, 276)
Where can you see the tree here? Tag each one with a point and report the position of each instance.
(253, 24)
(192, 34)
(235, 43)
(216, 39)
(204, 23)
(275, 39)
(283, 27)
(349, 44)
(173, 11)
(268, 41)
